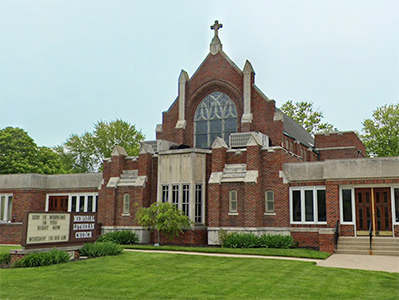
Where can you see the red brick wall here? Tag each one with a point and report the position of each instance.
(346, 230)
(336, 140)
(217, 74)
(306, 239)
(340, 153)
(188, 237)
(326, 242)
(10, 233)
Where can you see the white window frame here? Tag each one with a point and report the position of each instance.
(190, 193)
(187, 193)
(175, 189)
(126, 205)
(165, 190)
(269, 212)
(231, 193)
(341, 208)
(78, 195)
(198, 213)
(302, 190)
(7, 210)
(393, 208)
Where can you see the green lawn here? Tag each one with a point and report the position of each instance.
(135, 275)
(304, 253)
(6, 249)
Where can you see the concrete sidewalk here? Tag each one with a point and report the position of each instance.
(360, 262)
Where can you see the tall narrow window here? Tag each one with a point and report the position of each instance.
(198, 203)
(309, 208)
(269, 201)
(233, 201)
(216, 115)
(74, 203)
(175, 195)
(186, 199)
(82, 203)
(6, 207)
(90, 203)
(347, 205)
(296, 206)
(396, 195)
(321, 206)
(165, 193)
(126, 204)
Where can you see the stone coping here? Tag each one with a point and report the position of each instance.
(23, 251)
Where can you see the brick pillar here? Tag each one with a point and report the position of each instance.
(179, 136)
(145, 162)
(219, 153)
(252, 199)
(118, 157)
(107, 195)
(326, 235)
(326, 240)
(332, 202)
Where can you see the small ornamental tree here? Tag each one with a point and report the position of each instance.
(164, 217)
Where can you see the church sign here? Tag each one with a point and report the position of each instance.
(50, 229)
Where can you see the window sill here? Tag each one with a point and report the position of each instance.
(308, 223)
(270, 213)
(125, 215)
(233, 213)
(347, 223)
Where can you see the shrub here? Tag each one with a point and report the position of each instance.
(5, 259)
(124, 237)
(38, 259)
(250, 240)
(276, 241)
(241, 240)
(100, 249)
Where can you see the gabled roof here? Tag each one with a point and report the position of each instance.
(296, 131)
(225, 56)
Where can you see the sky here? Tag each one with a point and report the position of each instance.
(65, 65)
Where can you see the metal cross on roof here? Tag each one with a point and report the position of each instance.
(216, 27)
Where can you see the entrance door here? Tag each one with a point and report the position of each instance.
(363, 209)
(58, 203)
(383, 215)
(375, 208)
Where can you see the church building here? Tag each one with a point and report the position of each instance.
(232, 161)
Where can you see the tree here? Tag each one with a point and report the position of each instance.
(304, 114)
(164, 217)
(20, 154)
(381, 133)
(86, 153)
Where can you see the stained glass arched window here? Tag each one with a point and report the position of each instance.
(216, 115)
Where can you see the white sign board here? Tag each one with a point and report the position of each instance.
(47, 228)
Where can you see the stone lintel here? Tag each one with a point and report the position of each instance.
(215, 177)
(119, 151)
(146, 149)
(254, 141)
(219, 143)
(113, 182)
(247, 118)
(181, 124)
(251, 176)
(158, 128)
